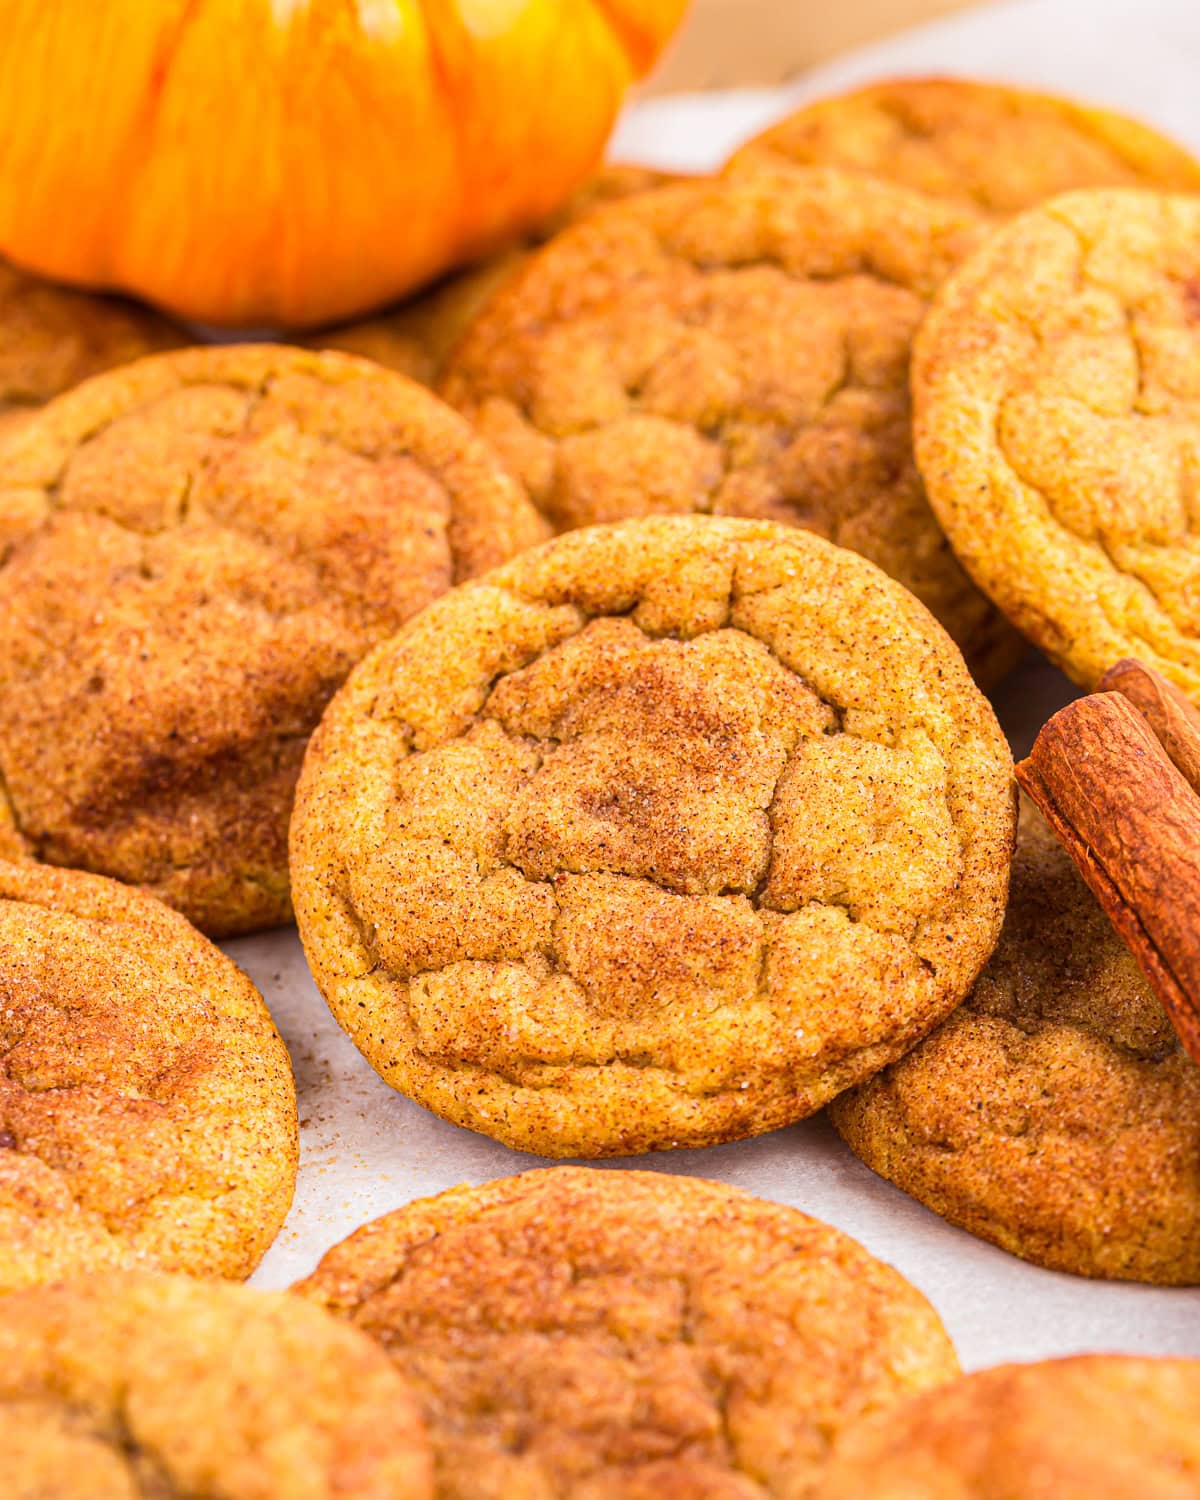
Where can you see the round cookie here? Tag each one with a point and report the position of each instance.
(147, 1110)
(52, 338)
(584, 1334)
(418, 336)
(1096, 1427)
(128, 1385)
(1055, 1113)
(661, 835)
(194, 551)
(984, 147)
(736, 348)
(1056, 383)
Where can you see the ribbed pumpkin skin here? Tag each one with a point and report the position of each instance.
(295, 161)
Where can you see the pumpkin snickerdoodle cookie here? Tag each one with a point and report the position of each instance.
(134, 1385)
(418, 336)
(661, 835)
(51, 338)
(736, 348)
(585, 1335)
(986, 147)
(1055, 1113)
(1056, 386)
(194, 551)
(1095, 1427)
(147, 1110)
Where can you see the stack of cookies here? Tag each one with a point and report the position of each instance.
(614, 723)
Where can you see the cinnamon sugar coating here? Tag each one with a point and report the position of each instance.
(736, 348)
(142, 1387)
(1056, 387)
(592, 1335)
(194, 551)
(1055, 1112)
(985, 147)
(1096, 1427)
(660, 835)
(51, 338)
(147, 1110)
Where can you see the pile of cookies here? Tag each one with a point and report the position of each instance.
(613, 722)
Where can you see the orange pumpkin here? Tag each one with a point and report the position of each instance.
(295, 161)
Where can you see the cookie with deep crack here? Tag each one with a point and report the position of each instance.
(194, 551)
(1055, 1113)
(988, 148)
(736, 348)
(586, 1334)
(661, 835)
(147, 1110)
(1095, 1427)
(125, 1385)
(1055, 384)
(51, 338)
(418, 336)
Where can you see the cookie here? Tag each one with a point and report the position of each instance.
(612, 183)
(1055, 1113)
(1097, 1427)
(584, 1334)
(194, 551)
(417, 337)
(52, 338)
(1055, 385)
(127, 1385)
(734, 348)
(659, 836)
(147, 1110)
(984, 147)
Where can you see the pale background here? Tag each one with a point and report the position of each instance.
(727, 42)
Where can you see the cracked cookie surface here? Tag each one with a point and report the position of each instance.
(984, 147)
(194, 551)
(1095, 1427)
(660, 835)
(574, 1334)
(146, 1387)
(1058, 428)
(733, 348)
(147, 1110)
(1055, 1113)
(51, 338)
(418, 336)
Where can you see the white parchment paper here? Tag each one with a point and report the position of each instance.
(366, 1150)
